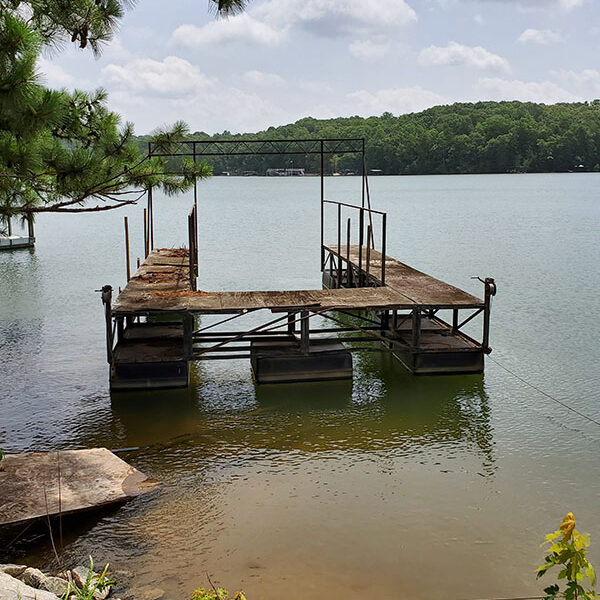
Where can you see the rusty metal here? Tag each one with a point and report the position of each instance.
(127, 258)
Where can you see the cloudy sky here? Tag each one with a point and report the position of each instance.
(286, 59)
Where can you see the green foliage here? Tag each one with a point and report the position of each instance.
(482, 137)
(567, 549)
(91, 584)
(59, 150)
(218, 594)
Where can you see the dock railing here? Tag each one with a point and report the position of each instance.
(366, 240)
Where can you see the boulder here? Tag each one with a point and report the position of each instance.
(79, 576)
(56, 585)
(12, 570)
(33, 577)
(13, 589)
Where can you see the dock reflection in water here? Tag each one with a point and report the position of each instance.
(273, 487)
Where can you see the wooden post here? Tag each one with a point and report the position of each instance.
(291, 323)
(304, 335)
(30, 229)
(188, 330)
(490, 290)
(416, 328)
(107, 301)
(9, 221)
(454, 320)
(128, 260)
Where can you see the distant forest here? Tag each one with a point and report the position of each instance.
(484, 137)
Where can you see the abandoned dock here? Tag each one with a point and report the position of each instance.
(371, 301)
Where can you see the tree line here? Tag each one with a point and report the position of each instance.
(481, 137)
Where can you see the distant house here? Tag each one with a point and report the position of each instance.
(289, 172)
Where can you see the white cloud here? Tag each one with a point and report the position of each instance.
(586, 82)
(396, 101)
(339, 17)
(479, 20)
(366, 49)
(260, 78)
(540, 36)
(242, 28)
(54, 75)
(571, 4)
(170, 77)
(494, 88)
(458, 54)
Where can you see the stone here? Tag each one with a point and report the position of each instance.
(12, 570)
(33, 577)
(146, 592)
(13, 589)
(56, 585)
(79, 576)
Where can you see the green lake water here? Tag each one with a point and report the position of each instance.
(429, 488)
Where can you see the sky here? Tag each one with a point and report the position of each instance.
(283, 60)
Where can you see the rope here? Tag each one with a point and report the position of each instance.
(537, 389)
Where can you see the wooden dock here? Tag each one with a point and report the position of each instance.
(372, 301)
(45, 485)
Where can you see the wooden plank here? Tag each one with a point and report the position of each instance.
(29, 483)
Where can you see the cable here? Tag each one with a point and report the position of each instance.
(537, 389)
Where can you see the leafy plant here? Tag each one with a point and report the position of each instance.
(92, 583)
(567, 550)
(215, 594)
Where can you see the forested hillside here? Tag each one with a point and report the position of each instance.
(485, 137)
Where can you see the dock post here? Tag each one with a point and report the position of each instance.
(304, 332)
(361, 228)
(107, 301)
(348, 265)
(150, 219)
(490, 290)
(322, 208)
(145, 233)
(339, 247)
(454, 320)
(188, 329)
(416, 328)
(128, 260)
(368, 255)
(30, 231)
(291, 323)
(383, 246)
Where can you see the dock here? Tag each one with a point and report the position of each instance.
(372, 301)
(45, 485)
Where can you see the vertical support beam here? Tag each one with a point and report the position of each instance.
(30, 230)
(107, 301)
(304, 329)
(145, 233)
(322, 208)
(339, 246)
(9, 221)
(361, 231)
(348, 264)
(127, 258)
(291, 323)
(188, 329)
(191, 251)
(490, 290)
(120, 328)
(416, 328)
(364, 175)
(368, 256)
(150, 219)
(383, 245)
(454, 320)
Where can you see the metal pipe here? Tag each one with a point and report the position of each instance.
(368, 257)
(361, 227)
(490, 290)
(383, 246)
(145, 233)
(128, 260)
(339, 247)
(151, 217)
(348, 264)
(322, 207)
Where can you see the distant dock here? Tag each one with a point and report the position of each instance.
(372, 302)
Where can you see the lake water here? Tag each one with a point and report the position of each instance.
(389, 486)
